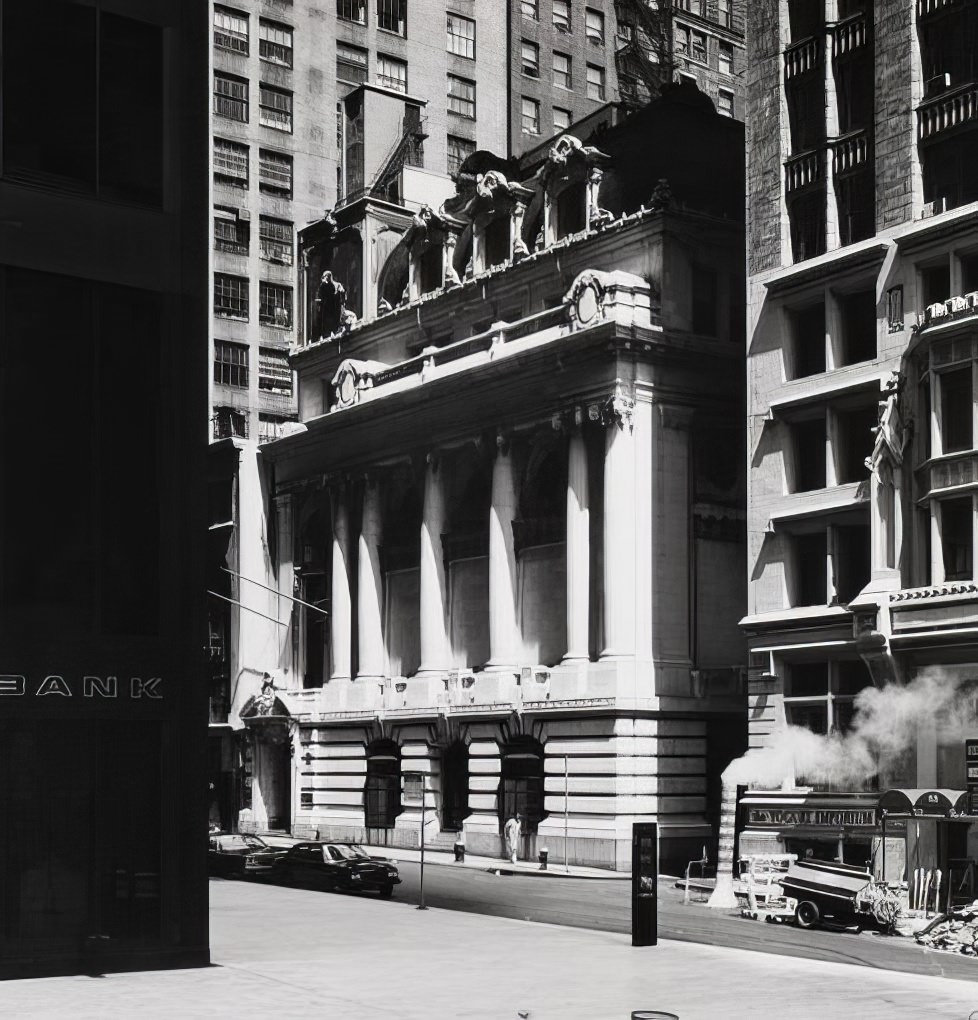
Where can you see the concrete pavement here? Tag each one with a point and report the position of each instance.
(290, 952)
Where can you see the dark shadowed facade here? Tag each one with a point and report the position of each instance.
(102, 397)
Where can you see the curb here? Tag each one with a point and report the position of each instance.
(615, 876)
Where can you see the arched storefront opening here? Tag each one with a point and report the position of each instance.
(455, 786)
(382, 789)
(521, 783)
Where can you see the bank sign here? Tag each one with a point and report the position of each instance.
(55, 685)
(820, 818)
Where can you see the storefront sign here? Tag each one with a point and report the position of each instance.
(825, 818)
(13, 685)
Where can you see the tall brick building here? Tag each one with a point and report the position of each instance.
(863, 262)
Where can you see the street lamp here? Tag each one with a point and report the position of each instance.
(419, 777)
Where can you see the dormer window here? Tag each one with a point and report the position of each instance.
(496, 244)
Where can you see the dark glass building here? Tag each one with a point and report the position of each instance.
(103, 346)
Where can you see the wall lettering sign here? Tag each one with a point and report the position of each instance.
(54, 685)
(818, 817)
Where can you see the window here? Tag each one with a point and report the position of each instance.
(894, 309)
(275, 240)
(231, 234)
(808, 340)
(725, 103)
(230, 364)
(808, 449)
(935, 283)
(459, 149)
(594, 25)
(231, 97)
(272, 427)
(957, 538)
(461, 96)
(530, 59)
(231, 296)
(957, 409)
(382, 787)
(562, 119)
(562, 15)
(229, 422)
(530, 113)
(854, 431)
(693, 6)
(723, 13)
(274, 107)
(274, 305)
(820, 696)
(682, 39)
(230, 30)
(595, 82)
(392, 16)
(461, 36)
(230, 163)
(562, 71)
(275, 43)
(274, 374)
(810, 569)
(625, 30)
(698, 46)
(274, 172)
(392, 73)
(351, 63)
(725, 58)
(857, 321)
(530, 9)
(352, 10)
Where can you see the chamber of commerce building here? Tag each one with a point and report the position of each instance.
(497, 568)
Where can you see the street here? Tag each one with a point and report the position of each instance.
(604, 905)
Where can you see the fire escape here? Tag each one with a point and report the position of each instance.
(643, 50)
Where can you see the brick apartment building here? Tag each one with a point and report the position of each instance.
(863, 262)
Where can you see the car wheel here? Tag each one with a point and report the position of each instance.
(386, 891)
(806, 914)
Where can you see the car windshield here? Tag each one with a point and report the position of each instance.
(349, 852)
(241, 841)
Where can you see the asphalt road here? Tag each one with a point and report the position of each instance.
(605, 905)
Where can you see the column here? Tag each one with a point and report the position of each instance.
(619, 531)
(370, 639)
(578, 550)
(504, 633)
(341, 610)
(435, 647)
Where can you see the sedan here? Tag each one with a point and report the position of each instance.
(338, 866)
(240, 855)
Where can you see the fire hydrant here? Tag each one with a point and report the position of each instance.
(459, 849)
(543, 855)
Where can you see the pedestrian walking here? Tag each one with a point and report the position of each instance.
(512, 832)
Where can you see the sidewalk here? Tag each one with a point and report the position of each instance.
(555, 869)
(290, 952)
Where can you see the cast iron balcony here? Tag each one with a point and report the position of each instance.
(801, 57)
(926, 7)
(802, 170)
(850, 152)
(849, 35)
(947, 111)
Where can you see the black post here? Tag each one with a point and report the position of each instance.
(645, 879)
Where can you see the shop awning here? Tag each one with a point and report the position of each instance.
(923, 803)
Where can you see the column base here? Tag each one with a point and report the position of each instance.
(375, 677)
(501, 667)
(612, 656)
(339, 676)
(574, 659)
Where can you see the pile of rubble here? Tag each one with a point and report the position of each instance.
(956, 932)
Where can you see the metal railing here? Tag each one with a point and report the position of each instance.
(803, 169)
(850, 152)
(947, 111)
(849, 35)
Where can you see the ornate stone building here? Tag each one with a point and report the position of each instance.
(509, 528)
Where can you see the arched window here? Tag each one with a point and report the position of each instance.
(521, 783)
(382, 789)
(455, 786)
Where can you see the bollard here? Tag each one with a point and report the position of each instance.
(459, 850)
(543, 855)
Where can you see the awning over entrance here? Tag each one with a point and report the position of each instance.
(923, 803)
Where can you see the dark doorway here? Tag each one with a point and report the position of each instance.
(382, 790)
(521, 786)
(455, 786)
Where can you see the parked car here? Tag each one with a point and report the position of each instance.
(337, 866)
(240, 855)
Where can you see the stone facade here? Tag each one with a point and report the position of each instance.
(515, 493)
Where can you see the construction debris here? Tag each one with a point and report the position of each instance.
(954, 933)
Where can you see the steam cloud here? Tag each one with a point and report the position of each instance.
(884, 728)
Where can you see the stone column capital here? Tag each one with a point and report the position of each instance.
(619, 410)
